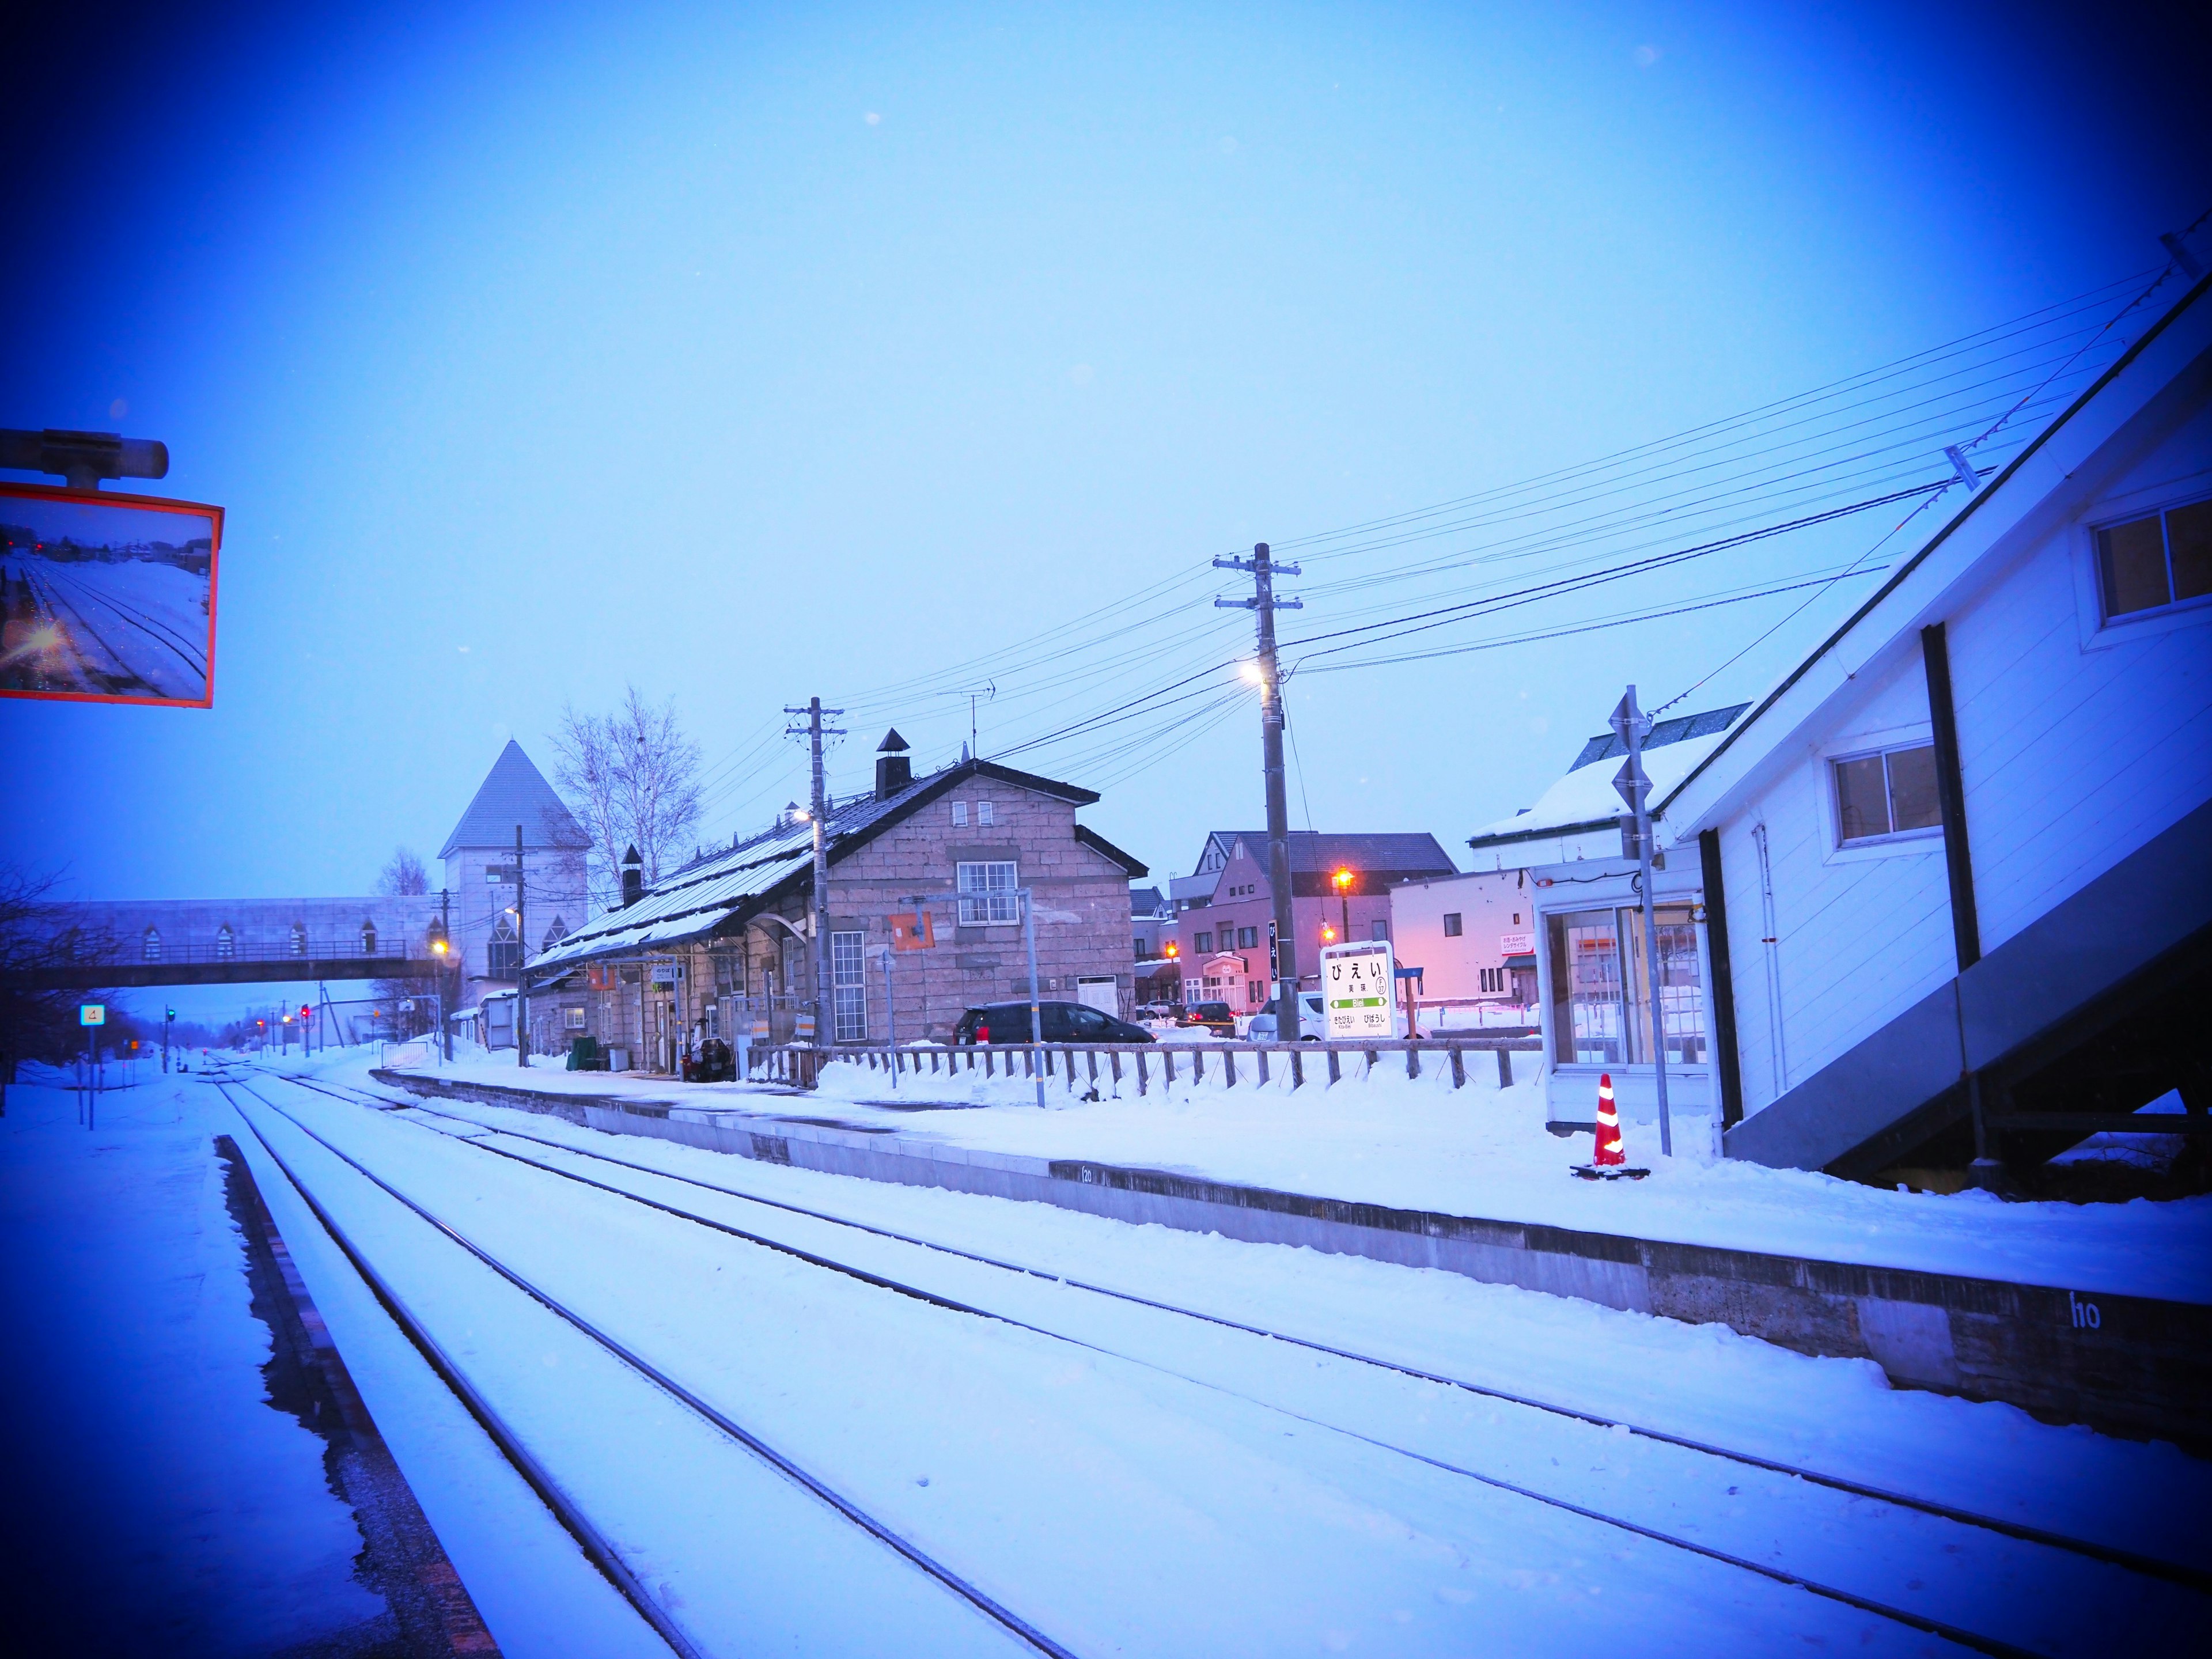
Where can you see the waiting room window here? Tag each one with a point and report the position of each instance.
(992, 886)
(1888, 794)
(1201, 941)
(572, 1016)
(1601, 1012)
(960, 815)
(152, 945)
(983, 813)
(2150, 563)
(848, 986)
(1451, 924)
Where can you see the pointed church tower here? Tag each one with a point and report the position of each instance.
(513, 795)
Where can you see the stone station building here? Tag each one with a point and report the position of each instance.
(724, 946)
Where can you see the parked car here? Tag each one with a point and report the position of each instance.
(1216, 1017)
(1064, 1022)
(1313, 1024)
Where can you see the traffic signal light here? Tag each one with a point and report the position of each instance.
(305, 1013)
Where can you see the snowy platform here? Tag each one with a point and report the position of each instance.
(2094, 1314)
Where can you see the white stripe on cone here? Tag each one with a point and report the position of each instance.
(1610, 1150)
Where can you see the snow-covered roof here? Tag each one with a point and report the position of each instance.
(1585, 799)
(514, 792)
(729, 886)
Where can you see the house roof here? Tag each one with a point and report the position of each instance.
(1976, 533)
(1380, 854)
(514, 792)
(732, 885)
(1585, 800)
(1146, 902)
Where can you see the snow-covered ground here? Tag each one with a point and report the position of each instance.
(1179, 1488)
(1482, 1152)
(156, 1502)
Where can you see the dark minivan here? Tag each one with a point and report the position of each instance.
(1064, 1022)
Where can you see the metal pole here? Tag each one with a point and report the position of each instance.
(1036, 1010)
(890, 1014)
(445, 1014)
(521, 956)
(824, 992)
(1636, 726)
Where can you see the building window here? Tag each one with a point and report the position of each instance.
(959, 815)
(1600, 1012)
(1890, 793)
(153, 944)
(556, 931)
(2150, 563)
(1143, 950)
(729, 973)
(299, 941)
(368, 938)
(1382, 930)
(226, 944)
(571, 1016)
(849, 987)
(503, 953)
(1493, 978)
(1451, 924)
(1256, 992)
(1201, 941)
(983, 814)
(1247, 937)
(993, 884)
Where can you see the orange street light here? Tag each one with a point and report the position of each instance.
(1171, 949)
(1342, 881)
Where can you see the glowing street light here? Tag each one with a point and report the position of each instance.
(1343, 881)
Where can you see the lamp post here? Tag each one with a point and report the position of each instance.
(1343, 881)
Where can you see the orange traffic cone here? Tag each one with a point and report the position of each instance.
(1611, 1156)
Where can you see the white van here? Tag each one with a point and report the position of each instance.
(1312, 1023)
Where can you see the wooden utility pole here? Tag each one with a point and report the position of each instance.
(824, 994)
(1263, 605)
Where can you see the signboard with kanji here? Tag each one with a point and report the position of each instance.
(1358, 989)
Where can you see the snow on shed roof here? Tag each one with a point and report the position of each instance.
(514, 792)
(1585, 799)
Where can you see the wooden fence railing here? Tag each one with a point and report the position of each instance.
(1162, 1062)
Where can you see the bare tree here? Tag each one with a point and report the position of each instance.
(634, 775)
(402, 875)
(41, 1023)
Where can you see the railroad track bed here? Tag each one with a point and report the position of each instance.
(1003, 1456)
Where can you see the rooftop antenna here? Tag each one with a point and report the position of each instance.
(975, 694)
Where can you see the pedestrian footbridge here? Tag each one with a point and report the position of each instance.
(125, 944)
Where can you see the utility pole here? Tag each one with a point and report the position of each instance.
(1634, 785)
(450, 992)
(521, 956)
(1264, 604)
(814, 731)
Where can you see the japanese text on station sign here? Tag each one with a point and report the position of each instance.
(1356, 985)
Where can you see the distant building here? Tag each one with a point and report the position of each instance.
(1227, 903)
(513, 797)
(1473, 936)
(726, 944)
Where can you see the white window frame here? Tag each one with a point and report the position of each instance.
(987, 895)
(984, 819)
(959, 815)
(1898, 843)
(848, 986)
(2097, 634)
(2157, 509)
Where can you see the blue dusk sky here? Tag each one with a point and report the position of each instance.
(881, 351)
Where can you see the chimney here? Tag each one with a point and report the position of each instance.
(633, 869)
(893, 767)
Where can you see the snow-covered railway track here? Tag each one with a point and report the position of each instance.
(2116, 1579)
(604, 1552)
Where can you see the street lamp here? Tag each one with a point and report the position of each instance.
(1343, 881)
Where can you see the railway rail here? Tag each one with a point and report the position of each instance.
(481, 1134)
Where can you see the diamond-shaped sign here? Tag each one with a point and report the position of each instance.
(1632, 785)
(1625, 714)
